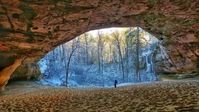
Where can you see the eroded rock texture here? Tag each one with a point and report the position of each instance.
(31, 28)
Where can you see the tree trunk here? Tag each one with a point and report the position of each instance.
(121, 59)
(127, 57)
(67, 65)
(118, 44)
(86, 41)
(137, 55)
(98, 53)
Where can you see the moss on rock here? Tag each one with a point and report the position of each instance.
(152, 3)
(184, 4)
(27, 71)
(28, 14)
(6, 60)
(56, 1)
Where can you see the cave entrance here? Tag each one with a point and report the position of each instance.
(99, 57)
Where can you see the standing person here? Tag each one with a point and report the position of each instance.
(115, 83)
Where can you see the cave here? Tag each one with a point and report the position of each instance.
(29, 29)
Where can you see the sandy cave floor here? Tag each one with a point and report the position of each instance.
(165, 96)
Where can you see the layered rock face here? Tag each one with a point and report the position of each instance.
(31, 28)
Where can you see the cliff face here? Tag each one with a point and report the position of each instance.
(31, 28)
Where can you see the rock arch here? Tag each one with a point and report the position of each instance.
(31, 28)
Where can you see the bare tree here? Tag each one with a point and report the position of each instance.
(100, 46)
(137, 54)
(118, 44)
(86, 47)
(127, 40)
(67, 64)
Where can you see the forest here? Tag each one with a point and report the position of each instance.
(99, 57)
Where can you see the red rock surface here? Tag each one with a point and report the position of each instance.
(31, 28)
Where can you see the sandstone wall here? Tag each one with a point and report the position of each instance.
(31, 28)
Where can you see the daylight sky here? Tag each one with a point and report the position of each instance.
(107, 30)
(114, 29)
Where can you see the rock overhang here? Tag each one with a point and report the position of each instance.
(32, 28)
